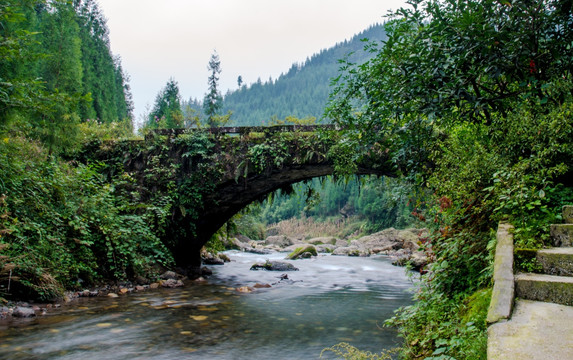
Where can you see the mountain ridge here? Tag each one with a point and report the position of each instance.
(301, 92)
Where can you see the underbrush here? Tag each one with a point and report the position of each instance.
(62, 226)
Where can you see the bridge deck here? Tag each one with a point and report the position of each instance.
(243, 130)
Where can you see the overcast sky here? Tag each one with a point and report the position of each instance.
(160, 39)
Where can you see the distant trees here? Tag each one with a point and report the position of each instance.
(383, 202)
(166, 112)
(303, 90)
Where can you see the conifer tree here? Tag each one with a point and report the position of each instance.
(166, 111)
(213, 100)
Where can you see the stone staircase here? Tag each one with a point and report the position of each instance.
(555, 285)
(538, 325)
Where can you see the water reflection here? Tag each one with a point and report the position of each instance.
(329, 300)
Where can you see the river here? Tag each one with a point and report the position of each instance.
(331, 299)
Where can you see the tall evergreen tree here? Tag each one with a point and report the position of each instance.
(166, 111)
(213, 102)
(102, 77)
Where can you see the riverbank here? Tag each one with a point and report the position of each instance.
(32, 309)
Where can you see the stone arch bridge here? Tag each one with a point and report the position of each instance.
(214, 173)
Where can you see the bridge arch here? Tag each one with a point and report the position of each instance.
(242, 165)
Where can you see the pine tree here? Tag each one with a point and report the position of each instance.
(166, 111)
(213, 100)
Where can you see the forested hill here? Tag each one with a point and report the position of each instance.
(300, 92)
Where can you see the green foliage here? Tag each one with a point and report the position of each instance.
(166, 113)
(471, 100)
(384, 202)
(525, 260)
(53, 210)
(57, 71)
(442, 327)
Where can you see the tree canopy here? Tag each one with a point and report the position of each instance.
(166, 111)
(57, 70)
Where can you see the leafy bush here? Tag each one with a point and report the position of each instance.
(56, 210)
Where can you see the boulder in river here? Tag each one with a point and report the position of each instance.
(322, 240)
(280, 241)
(168, 275)
(23, 312)
(171, 283)
(351, 251)
(303, 252)
(417, 260)
(274, 266)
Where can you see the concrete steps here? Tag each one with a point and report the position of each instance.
(540, 325)
(547, 288)
(556, 261)
(536, 331)
(562, 234)
(556, 284)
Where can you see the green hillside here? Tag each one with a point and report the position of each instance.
(301, 92)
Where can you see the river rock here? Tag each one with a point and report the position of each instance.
(322, 240)
(416, 259)
(350, 251)
(325, 248)
(259, 250)
(245, 289)
(281, 241)
(210, 259)
(171, 283)
(23, 312)
(261, 286)
(5, 312)
(293, 247)
(303, 252)
(341, 243)
(168, 275)
(274, 266)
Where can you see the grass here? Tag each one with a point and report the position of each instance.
(308, 227)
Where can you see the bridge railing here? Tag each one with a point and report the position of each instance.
(240, 130)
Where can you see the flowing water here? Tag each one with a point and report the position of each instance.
(331, 299)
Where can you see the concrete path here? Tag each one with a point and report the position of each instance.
(536, 331)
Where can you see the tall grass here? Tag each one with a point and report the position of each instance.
(308, 227)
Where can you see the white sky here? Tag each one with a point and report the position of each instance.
(160, 39)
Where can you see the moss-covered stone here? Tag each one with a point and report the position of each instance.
(302, 252)
(567, 214)
(503, 289)
(547, 288)
(562, 234)
(274, 266)
(556, 261)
